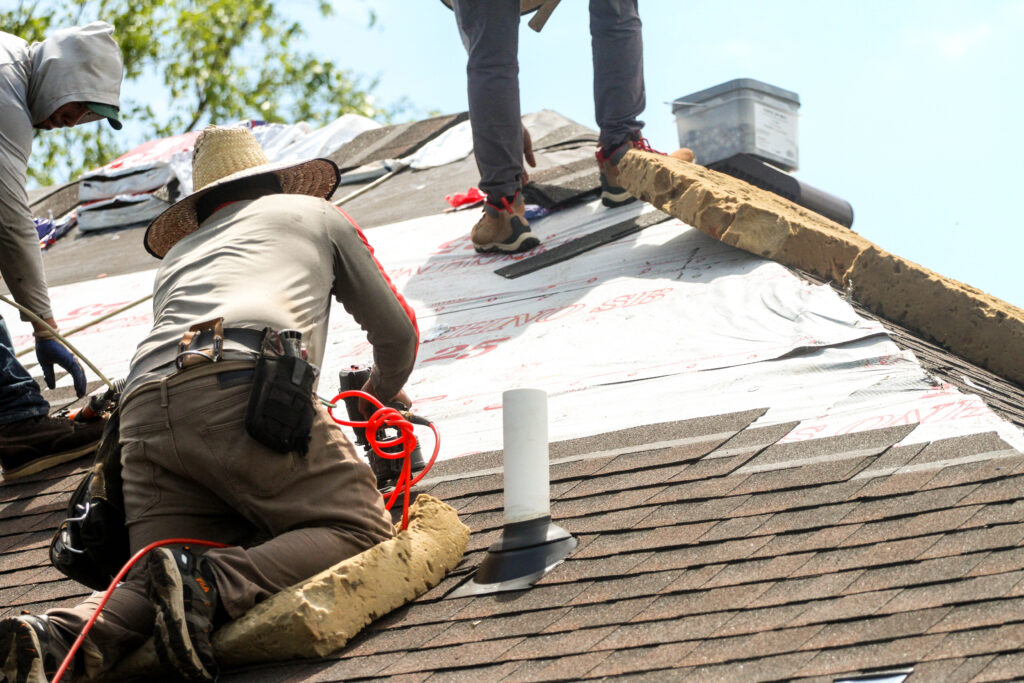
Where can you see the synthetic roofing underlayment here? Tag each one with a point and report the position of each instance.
(763, 484)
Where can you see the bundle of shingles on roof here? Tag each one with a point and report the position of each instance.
(138, 185)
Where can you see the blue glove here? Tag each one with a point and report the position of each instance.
(50, 351)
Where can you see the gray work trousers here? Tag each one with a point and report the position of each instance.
(490, 32)
(192, 471)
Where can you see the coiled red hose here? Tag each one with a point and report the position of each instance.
(389, 417)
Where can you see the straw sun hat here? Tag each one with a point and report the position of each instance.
(226, 156)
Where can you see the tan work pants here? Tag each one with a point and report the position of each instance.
(192, 471)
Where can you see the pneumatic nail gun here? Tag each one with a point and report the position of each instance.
(386, 470)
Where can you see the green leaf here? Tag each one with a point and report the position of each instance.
(216, 61)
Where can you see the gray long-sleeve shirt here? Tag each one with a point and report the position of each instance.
(277, 261)
(78, 64)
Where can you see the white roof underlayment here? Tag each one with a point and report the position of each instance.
(663, 325)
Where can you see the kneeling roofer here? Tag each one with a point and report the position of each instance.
(256, 247)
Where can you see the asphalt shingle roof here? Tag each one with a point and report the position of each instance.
(794, 561)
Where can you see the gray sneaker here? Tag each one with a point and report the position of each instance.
(504, 229)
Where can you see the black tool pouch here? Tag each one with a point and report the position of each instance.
(280, 411)
(91, 544)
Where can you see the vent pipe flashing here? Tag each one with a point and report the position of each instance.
(530, 545)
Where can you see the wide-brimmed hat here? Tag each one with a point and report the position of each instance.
(224, 156)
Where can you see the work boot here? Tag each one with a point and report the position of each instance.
(182, 589)
(612, 192)
(32, 649)
(504, 228)
(38, 443)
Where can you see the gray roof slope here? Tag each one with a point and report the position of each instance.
(84, 256)
(392, 142)
(708, 550)
(81, 256)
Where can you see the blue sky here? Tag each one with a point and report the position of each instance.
(909, 109)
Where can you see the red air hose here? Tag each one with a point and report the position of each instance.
(389, 417)
(110, 590)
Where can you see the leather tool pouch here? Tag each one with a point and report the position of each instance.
(280, 411)
(91, 544)
(187, 356)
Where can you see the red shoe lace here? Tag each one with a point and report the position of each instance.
(644, 146)
(506, 205)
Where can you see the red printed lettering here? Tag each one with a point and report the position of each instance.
(651, 296)
(94, 310)
(626, 300)
(464, 351)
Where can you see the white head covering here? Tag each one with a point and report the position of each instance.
(77, 64)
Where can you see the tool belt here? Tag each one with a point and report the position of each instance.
(204, 343)
(91, 544)
(280, 410)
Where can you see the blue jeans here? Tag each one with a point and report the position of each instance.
(20, 397)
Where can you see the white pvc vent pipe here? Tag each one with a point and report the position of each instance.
(525, 430)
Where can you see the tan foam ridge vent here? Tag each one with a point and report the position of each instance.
(318, 616)
(976, 326)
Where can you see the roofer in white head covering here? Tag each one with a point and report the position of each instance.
(254, 251)
(72, 77)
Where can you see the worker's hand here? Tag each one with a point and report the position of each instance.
(528, 156)
(367, 409)
(50, 351)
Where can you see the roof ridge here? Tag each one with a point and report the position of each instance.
(978, 326)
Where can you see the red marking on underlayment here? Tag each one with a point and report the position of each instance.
(637, 299)
(465, 351)
(545, 315)
(91, 311)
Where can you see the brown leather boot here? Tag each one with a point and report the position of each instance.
(504, 228)
(38, 443)
(612, 192)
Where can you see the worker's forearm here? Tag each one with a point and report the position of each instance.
(369, 297)
(26, 282)
(21, 262)
(21, 265)
(393, 364)
(42, 331)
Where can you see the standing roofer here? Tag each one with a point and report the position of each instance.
(490, 32)
(255, 250)
(72, 77)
